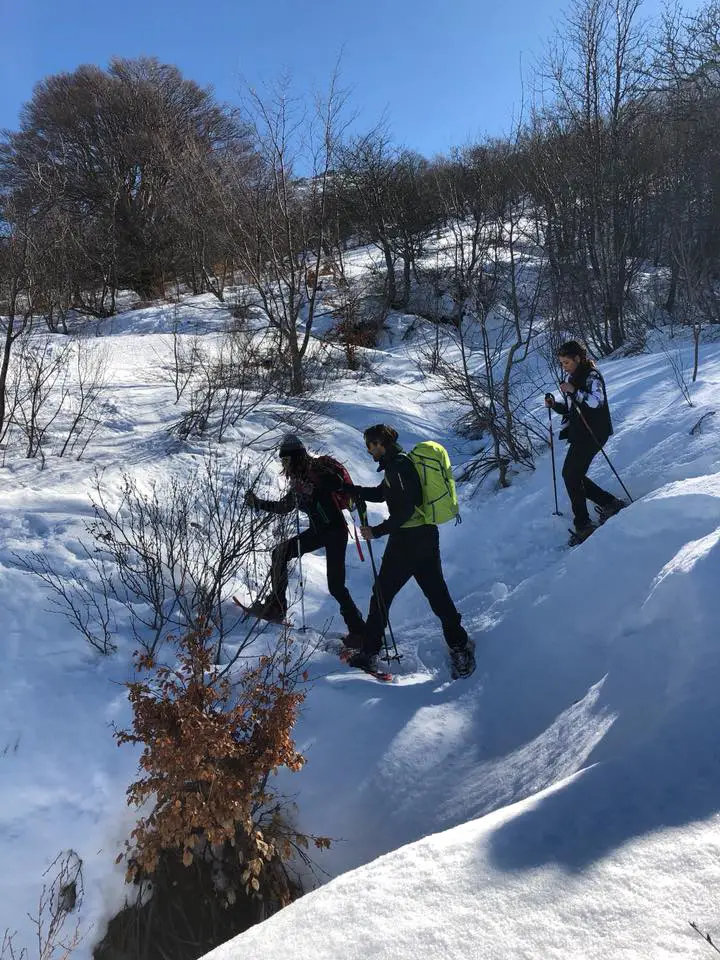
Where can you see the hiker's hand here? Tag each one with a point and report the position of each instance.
(251, 500)
(549, 400)
(366, 533)
(567, 388)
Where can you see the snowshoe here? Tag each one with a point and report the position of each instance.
(362, 661)
(580, 535)
(604, 513)
(462, 660)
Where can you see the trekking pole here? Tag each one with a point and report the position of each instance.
(362, 513)
(556, 511)
(299, 556)
(576, 407)
(253, 547)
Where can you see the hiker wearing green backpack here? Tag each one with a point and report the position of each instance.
(419, 491)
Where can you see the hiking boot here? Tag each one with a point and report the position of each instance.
(462, 660)
(580, 534)
(604, 513)
(267, 610)
(353, 640)
(363, 661)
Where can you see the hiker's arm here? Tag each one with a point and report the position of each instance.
(408, 495)
(284, 505)
(368, 494)
(552, 404)
(594, 396)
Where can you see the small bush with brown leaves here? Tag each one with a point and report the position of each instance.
(216, 836)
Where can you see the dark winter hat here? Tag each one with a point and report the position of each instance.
(291, 444)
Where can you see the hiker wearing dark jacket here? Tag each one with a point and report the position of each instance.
(413, 550)
(313, 486)
(587, 427)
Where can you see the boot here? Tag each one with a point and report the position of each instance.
(363, 661)
(580, 534)
(462, 660)
(604, 513)
(270, 610)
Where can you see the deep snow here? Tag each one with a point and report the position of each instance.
(576, 774)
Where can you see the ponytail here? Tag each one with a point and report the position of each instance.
(573, 348)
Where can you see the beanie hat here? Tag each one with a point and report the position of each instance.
(291, 444)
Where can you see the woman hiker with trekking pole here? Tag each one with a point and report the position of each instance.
(315, 488)
(587, 427)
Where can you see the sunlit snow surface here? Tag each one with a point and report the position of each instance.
(572, 785)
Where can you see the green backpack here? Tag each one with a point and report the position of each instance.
(440, 502)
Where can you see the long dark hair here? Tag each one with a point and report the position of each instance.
(298, 464)
(381, 433)
(573, 348)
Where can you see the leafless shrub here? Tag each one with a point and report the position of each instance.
(57, 902)
(226, 385)
(172, 551)
(186, 353)
(677, 367)
(84, 601)
(54, 396)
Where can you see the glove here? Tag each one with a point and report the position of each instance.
(549, 400)
(251, 500)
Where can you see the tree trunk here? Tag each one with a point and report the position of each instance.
(672, 291)
(7, 350)
(391, 284)
(696, 351)
(407, 266)
(615, 325)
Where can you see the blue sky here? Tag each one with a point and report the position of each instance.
(443, 72)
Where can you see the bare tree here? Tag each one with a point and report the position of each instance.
(389, 195)
(96, 158)
(281, 226)
(589, 175)
(14, 286)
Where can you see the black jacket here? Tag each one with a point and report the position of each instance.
(401, 490)
(588, 382)
(313, 495)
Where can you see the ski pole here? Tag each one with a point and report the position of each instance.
(299, 556)
(576, 407)
(385, 613)
(556, 512)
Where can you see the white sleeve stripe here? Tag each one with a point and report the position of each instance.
(594, 397)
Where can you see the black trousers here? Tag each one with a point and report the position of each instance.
(334, 541)
(413, 552)
(579, 486)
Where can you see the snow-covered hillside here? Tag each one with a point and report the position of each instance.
(576, 774)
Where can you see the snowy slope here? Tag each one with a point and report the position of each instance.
(586, 742)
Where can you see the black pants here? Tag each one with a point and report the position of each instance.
(579, 486)
(413, 552)
(334, 541)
